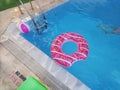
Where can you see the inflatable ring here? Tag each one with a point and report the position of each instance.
(68, 59)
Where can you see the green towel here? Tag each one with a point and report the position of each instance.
(31, 84)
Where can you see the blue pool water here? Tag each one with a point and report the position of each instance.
(101, 70)
(72, 47)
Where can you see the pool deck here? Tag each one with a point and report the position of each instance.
(8, 66)
(27, 59)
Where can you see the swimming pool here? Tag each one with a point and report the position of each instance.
(100, 71)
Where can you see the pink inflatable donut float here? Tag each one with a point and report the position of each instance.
(24, 28)
(68, 59)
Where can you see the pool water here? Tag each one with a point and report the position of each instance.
(69, 47)
(101, 70)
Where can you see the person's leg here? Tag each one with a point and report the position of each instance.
(104, 26)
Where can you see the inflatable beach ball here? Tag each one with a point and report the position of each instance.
(24, 28)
